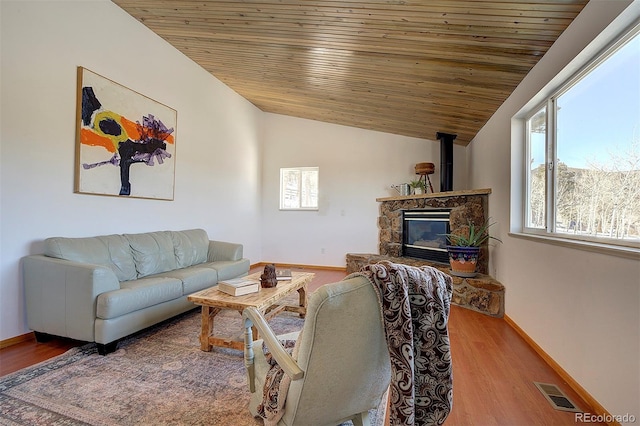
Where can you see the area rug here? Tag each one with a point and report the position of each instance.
(156, 377)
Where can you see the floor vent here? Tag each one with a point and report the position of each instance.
(557, 398)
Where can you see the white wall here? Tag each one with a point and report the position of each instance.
(217, 181)
(581, 307)
(356, 167)
(220, 137)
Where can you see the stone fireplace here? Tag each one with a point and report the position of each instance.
(482, 293)
(464, 206)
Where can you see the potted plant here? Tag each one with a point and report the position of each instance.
(464, 248)
(418, 187)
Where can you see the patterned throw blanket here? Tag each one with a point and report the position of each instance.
(415, 306)
(276, 386)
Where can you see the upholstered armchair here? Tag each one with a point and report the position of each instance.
(340, 368)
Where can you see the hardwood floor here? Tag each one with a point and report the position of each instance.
(24, 354)
(494, 369)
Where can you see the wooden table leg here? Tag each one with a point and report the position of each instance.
(301, 309)
(302, 295)
(208, 314)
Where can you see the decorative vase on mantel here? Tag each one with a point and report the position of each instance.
(417, 187)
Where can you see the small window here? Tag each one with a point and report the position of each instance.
(299, 188)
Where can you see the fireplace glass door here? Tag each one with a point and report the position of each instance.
(424, 236)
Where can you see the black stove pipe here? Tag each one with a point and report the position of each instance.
(446, 160)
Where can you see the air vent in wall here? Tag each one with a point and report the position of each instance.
(557, 398)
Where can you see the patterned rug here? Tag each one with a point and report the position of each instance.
(156, 377)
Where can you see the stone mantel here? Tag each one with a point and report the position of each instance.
(446, 194)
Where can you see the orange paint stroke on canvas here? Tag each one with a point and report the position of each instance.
(89, 137)
(132, 130)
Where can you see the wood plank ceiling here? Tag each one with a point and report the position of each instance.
(408, 67)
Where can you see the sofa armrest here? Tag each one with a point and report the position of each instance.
(221, 250)
(61, 295)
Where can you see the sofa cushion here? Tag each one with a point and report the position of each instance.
(112, 251)
(153, 252)
(194, 278)
(190, 247)
(137, 294)
(228, 269)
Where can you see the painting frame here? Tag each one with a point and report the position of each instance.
(125, 141)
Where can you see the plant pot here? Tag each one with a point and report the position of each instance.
(463, 260)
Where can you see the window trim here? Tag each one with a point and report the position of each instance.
(598, 247)
(526, 171)
(597, 52)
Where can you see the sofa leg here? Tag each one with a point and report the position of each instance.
(107, 348)
(42, 337)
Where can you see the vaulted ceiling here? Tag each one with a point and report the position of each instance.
(408, 67)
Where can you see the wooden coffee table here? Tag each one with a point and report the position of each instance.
(267, 301)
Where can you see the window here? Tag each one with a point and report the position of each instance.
(299, 188)
(582, 165)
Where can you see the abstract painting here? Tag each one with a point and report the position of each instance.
(126, 142)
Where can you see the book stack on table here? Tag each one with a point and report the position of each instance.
(283, 274)
(239, 286)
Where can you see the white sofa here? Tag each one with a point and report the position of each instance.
(101, 289)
